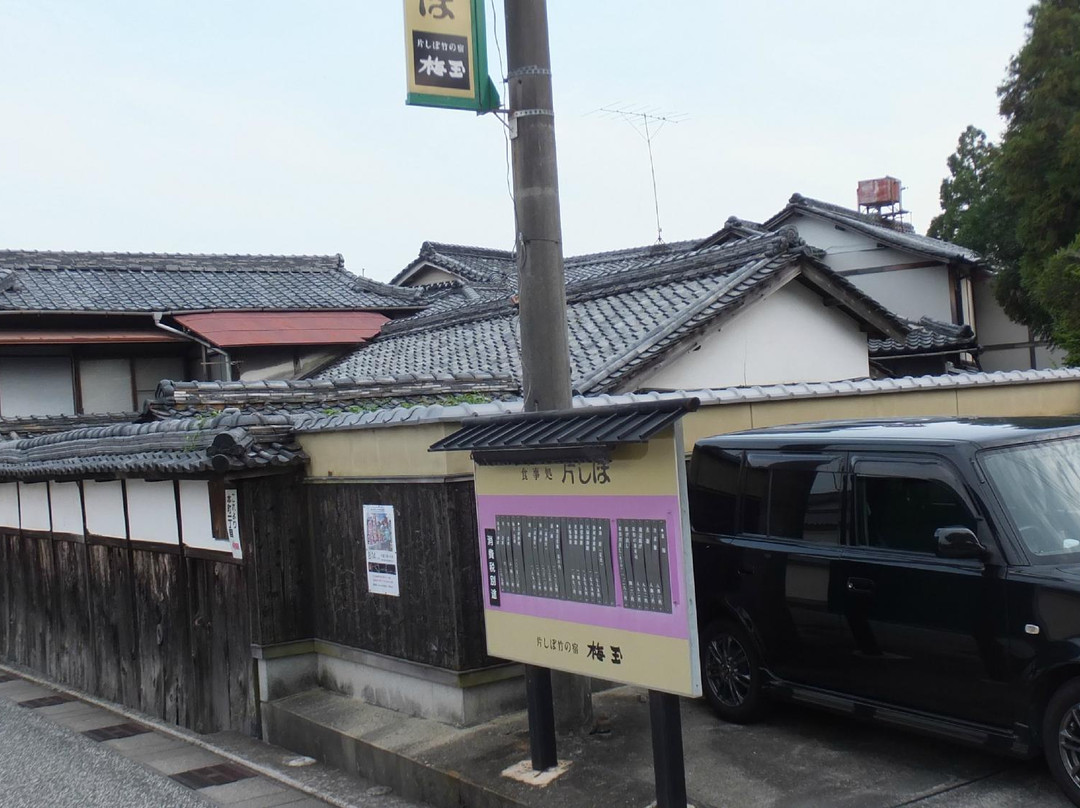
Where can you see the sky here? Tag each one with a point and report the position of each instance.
(274, 127)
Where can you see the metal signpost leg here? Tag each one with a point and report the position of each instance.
(541, 718)
(667, 750)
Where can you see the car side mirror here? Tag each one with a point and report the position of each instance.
(959, 542)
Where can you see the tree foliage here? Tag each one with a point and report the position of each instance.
(974, 212)
(1018, 203)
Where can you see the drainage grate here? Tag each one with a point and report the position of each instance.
(115, 731)
(46, 701)
(218, 775)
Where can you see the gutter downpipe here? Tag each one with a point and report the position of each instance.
(206, 345)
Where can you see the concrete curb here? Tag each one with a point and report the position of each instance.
(410, 778)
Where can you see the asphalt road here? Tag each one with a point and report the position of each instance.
(805, 758)
(42, 764)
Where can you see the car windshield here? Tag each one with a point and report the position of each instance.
(1039, 484)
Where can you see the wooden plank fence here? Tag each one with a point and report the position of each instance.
(141, 625)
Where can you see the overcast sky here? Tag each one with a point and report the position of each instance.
(266, 126)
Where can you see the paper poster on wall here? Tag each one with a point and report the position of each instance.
(232, 522)
(380, 540)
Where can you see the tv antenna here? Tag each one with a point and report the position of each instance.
(647, 122)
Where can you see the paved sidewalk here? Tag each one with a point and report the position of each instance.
(798, 758)
(174, 767)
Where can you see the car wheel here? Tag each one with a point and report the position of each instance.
(1061, 738)
(731, 673)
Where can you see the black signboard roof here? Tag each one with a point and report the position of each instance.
(581, 428)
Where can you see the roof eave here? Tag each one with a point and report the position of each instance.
(870, 314)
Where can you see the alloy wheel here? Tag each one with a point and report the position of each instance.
(727, 668)
(1069, 743)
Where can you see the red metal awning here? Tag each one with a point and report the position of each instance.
(30, 336)
(236, 329)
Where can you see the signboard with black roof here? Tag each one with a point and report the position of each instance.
(584, 542)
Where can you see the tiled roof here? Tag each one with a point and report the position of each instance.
(716, 397)
(733, 230)
(227, 443)
(471, 264)
(25, 426)
(620, 321)
(184, 399)
(146, 282)
(925, 337)
(480, 267)
(899, 236)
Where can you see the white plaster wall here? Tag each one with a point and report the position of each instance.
(151, 511)
(65, 502)
(847, 249)
(1005, 359)
(105, 385)
(196, 525)
(788, 337)
(277, 365)
(994, 326)
(9, 505)
(1048, 358)
(910, 293)
(429, 275)
(261, 365)
(38, 385)
(104, 504)
(34, 506)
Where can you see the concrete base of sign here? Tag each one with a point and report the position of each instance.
(460, 698)
(523, 772)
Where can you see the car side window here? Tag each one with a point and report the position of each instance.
(714, 489)
(793, 498)
(903, 511)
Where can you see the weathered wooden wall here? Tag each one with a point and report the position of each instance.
(142, 625)
(438, 619)
(273, 513)
(168, 630)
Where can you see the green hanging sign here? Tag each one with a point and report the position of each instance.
(446, 55)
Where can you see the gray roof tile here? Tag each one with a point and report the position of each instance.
(227, 443)
(122, 282)
(478, 266)
(620, 320)
(926, 336)
(324, 396)
(313, 422)
(883, 231)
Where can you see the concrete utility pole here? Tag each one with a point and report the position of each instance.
(545, 355)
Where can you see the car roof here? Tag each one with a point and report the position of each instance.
(937, 431)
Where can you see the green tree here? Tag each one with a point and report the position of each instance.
(1038, 168)
(974, 212)
(1018, 203)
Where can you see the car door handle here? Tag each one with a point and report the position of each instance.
(863, 586)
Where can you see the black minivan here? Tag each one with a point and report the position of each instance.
(920, 572)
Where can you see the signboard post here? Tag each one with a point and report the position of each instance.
(586, 558)
(446, 55)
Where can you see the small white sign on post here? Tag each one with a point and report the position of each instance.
(380, 541)
(232, 522)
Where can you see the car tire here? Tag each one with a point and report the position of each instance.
(1061, 738)
(731, 673)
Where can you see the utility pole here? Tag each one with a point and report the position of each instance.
(545, 354)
